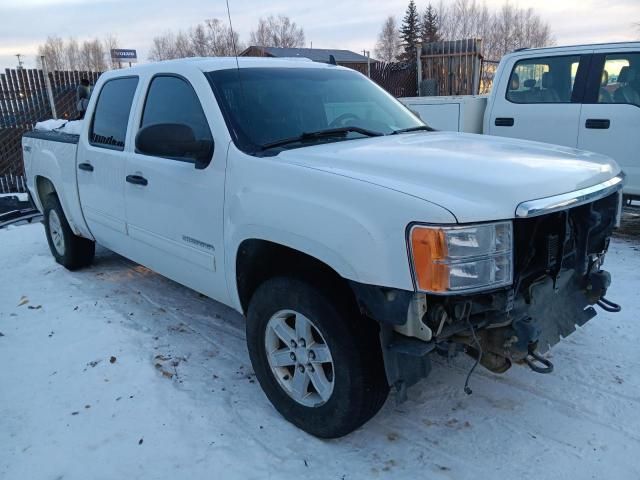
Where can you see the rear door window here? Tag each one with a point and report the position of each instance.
(620, 79)
(543, 80)
(111, 115)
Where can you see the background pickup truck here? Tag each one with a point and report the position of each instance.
(355, 239)
(585, 97)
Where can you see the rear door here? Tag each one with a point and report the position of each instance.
(101, 163)
(540, 99)
(610, 119)
(174, 211)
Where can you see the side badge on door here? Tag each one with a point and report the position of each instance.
(197, 243)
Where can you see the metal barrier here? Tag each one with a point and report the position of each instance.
(24, 102)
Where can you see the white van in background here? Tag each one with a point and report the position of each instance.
(586, 96)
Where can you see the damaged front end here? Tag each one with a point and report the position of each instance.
(558, 248)
(558, 279)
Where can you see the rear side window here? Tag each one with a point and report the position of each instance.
(620, 79)
(171, 99)
(543, 80)
(111, 116)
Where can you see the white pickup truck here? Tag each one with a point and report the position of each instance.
(355, 240)
(585, 97)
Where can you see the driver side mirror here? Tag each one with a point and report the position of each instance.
(176, 141)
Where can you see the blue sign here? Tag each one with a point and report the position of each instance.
(124, 55)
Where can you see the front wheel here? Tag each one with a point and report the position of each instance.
(317, 359)
(67, 248)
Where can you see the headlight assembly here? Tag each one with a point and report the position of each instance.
(462, 259)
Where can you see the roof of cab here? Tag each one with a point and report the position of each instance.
(208, 64)
(576, 48)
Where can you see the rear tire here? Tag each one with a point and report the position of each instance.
(353, 382)
(69, 250)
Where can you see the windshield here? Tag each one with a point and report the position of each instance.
(264, 106)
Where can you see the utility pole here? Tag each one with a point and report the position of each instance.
(20, 62)
(419, 65)
(367, 54)
(47, 81)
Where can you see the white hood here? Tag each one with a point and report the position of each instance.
(476, 177)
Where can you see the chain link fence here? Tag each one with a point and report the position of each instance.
(23, 102)
(399, 79)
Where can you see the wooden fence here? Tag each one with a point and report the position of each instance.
(23, 102)
(451, 67)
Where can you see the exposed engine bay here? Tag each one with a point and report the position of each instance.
(558, 278)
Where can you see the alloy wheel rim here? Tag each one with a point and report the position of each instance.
(299, 358)
(55, 230)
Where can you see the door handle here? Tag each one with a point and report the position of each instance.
(598, 123)
(504, 122)
(137, 180)
(87, 167)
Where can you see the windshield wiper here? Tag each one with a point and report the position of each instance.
(330, 132)
(425, 128)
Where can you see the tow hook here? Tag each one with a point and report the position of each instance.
(534, 359)
(608, 305)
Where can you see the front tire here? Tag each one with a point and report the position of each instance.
(317, 360)
(69, 250)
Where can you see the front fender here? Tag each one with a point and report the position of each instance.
(357, 228)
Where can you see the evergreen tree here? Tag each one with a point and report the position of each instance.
(410, 32)
(430, 26)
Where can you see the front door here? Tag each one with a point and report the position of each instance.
(174, 211)
(610, 119)
(539, 100)
(101, 163)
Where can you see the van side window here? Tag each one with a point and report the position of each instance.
(171, 99)
(543, 80)
(111, 115)
(620, 79)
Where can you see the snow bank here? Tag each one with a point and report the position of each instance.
(179, 398)
(73, 127)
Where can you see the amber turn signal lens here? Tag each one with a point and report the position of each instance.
(429, 247)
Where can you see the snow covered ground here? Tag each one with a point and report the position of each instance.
(117, 373)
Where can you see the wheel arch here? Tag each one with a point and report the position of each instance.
(44, 186)
(258, 259)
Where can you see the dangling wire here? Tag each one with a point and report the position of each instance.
(467, 389)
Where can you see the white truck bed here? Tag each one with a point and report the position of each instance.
(456, 114)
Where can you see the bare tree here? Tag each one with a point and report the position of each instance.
(388, 44)
(110, 43)
(221, 40)
(53, 52)
(212, 38)
(72, 54)
(92, 56)
(183, 47)
(277, 31)
(198, 41)
(501, 31)
(163, 47)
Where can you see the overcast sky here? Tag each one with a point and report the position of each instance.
(350, 24)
